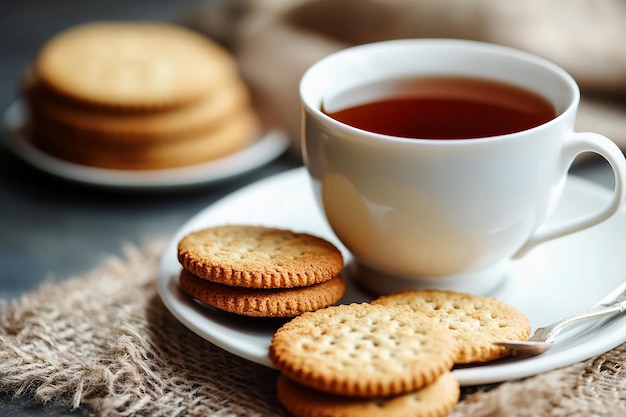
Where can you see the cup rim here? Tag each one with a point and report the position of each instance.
(522, 56)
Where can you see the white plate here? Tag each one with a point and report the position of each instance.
(261, 152)
(559, 278)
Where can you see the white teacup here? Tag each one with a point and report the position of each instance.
(420, 213)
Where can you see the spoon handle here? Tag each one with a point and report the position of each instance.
(549, 333)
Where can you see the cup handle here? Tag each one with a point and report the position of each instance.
(585, 142)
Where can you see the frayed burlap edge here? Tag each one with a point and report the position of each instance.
(106, 343)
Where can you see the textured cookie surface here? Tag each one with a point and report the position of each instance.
(288, 302)
(475, 321)
(259, 257)
(434, 400)
(132, 64)
(363, 350)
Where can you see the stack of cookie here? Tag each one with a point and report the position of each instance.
(133, 96)
(260, 271)
(391, 356)
(365, 360)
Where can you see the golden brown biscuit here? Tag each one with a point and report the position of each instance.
(287, 302)
(130, 128)
(229, 136)
(259, 257)
(434, 400)
(363, 350)
(475, 321)
(138, 65)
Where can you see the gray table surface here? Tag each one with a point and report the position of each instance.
(52, 229)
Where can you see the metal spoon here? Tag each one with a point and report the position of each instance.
(544, 337)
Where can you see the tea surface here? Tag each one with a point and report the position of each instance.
(448, 108)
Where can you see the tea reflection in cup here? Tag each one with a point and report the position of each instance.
(436, 162)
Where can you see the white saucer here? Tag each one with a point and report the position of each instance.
(557, 279)
(261, 152)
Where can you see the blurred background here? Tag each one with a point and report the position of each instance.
(52, 229)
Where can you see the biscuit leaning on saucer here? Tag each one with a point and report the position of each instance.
(127, 95)
(475, 321)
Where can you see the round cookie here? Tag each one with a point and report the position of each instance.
(434, 400)
(363, 350)
(259, 257)
(225, 138)
(475, 321)
(100, 126)
(287, 302)
(132, 64)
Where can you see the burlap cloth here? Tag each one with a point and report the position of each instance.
(106, 343)
(275, 41)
